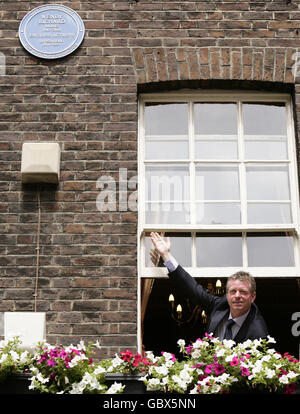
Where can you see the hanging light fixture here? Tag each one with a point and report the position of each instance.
(184, 315)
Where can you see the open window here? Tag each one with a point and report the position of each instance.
(218, 175)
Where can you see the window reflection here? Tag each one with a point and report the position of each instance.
(181, 249)
(270, 249)
(268, 182)
(265, 131)
(217, 182)
(167, 182)
(219, 250)
(166, 131)
(216, 131)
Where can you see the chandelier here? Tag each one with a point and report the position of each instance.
(187, 316)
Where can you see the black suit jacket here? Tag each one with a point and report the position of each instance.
(254, 327)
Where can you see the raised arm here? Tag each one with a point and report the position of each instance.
(183, 281)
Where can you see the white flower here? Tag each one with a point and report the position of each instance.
(277, 356)
(266, 358)
(256, 342)
(168, 356)
(14, 355)
(115, 388)
(41, 379)
(99, 370)
(117, 361)
(220, 352)
(81, 346)
(154, 383)
(228, 343)
(246, 344)
(196, 353)
(215, 389)
(194, 390)
(23, 357)
(270, 373)
(75, 361)
(271, 340)
(223, 378)
(200, 344)
(284, 379)
(77, 388)
(150, 355)
(230, 357)
(182, 384)
(185, 376)
(163, 370)
(181, 344)
(3, 358)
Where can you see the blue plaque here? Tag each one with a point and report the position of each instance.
(51, 31)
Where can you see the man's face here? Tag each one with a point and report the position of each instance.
(239, 297)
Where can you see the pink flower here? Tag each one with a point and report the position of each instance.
(290, 388)
(126, 355)
(208, 369)
(219, 369)
(234, 361)
(244, 371)
(51, 363)
(189, 349)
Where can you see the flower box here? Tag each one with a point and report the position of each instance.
(133, 382)
(17, 383)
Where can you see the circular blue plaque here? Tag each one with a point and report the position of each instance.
(51, 31)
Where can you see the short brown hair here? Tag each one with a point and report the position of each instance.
(244, 277)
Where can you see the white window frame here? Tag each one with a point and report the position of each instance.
(193, 96)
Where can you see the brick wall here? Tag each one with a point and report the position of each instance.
(88, 103)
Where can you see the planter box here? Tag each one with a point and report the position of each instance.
(17, 384)
(133, 383)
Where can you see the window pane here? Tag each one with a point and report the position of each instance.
(181, 248)
(166, 131)
(270, 249)
(218, 213)
(217, 182)
(266, 182)
(265, 131)
(219, 250)
(269, 213)
(167, 182)
(264, 118)
(216, 131)
(167, 213)
(265, 148)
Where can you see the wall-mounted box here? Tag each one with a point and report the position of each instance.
(30, 327)
(40, 162)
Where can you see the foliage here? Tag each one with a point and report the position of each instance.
(13, 358)
(207, 366)
(56, 369)
(211, 366)
(127, 363)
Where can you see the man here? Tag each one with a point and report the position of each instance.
(232, 316)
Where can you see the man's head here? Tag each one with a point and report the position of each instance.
(240, 292)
